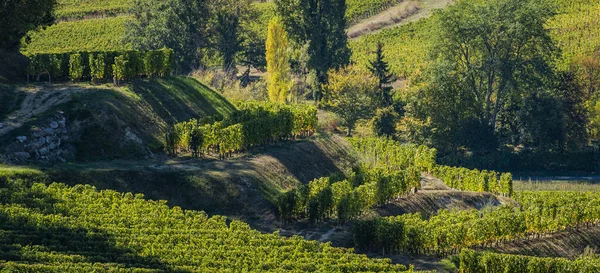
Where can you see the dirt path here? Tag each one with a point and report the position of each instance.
(37, 101)
(403, 13)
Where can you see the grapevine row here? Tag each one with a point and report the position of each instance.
(347, 199)
(254, 124)
(448, 232)
(101, 65)
(486, 262)
(57, 228)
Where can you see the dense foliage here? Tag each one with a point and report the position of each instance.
(351, 94)
(254, 124)
(448, 232)
(101, 34)
(347, 199)
(121, 65)
(321, 24)
(475, 180)
(544, 106)
(487, 262)
(176, 24)
(17, 17)
(57, 228)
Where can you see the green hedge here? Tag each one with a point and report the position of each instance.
(121, 65)
(486, 262)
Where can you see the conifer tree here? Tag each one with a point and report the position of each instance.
(278, 62)
(381, 70)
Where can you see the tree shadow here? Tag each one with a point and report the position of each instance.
(304, 160)
(177, 99)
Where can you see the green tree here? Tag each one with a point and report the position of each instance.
(384, 122)
(278, 63)
(17, 17)
(497, 48)
(176, 24)
(350, 94)
(227, 25)
(381, 70)
(322, 24)
(489, 52)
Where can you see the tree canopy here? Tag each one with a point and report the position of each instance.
(17, 17)
(321, 24)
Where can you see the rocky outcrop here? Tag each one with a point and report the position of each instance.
(48, 143)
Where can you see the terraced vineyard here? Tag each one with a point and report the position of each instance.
(577, 28)
(101, 34)
(57, 228)
(361, 9)
(78, 9)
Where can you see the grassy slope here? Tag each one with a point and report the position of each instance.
(147, 107)
(243, 188)
(101, 116)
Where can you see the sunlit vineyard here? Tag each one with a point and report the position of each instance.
(361, 9)
(102, 34)
(448, 232)
(57, 228)
(577, 28)
(77, 9)
(487, 262)
(406, 47)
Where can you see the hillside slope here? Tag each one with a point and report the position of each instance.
(104, 122)
(242, 188)
(57, 228)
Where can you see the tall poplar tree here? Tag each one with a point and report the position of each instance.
(278, 62)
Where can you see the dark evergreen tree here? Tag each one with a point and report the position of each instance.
(381, 70)
(229, 42)
(321, 24)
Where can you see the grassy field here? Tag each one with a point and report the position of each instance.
(557, 185)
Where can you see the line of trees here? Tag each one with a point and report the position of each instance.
(346, 200)
(99, 66)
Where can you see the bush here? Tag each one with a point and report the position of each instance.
(384, 122)
(76, 67)
(97, 66)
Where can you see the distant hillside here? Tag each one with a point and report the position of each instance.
(576, 29)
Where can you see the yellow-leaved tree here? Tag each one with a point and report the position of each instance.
(278, 61)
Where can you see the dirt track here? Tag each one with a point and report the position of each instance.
(37, 101)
